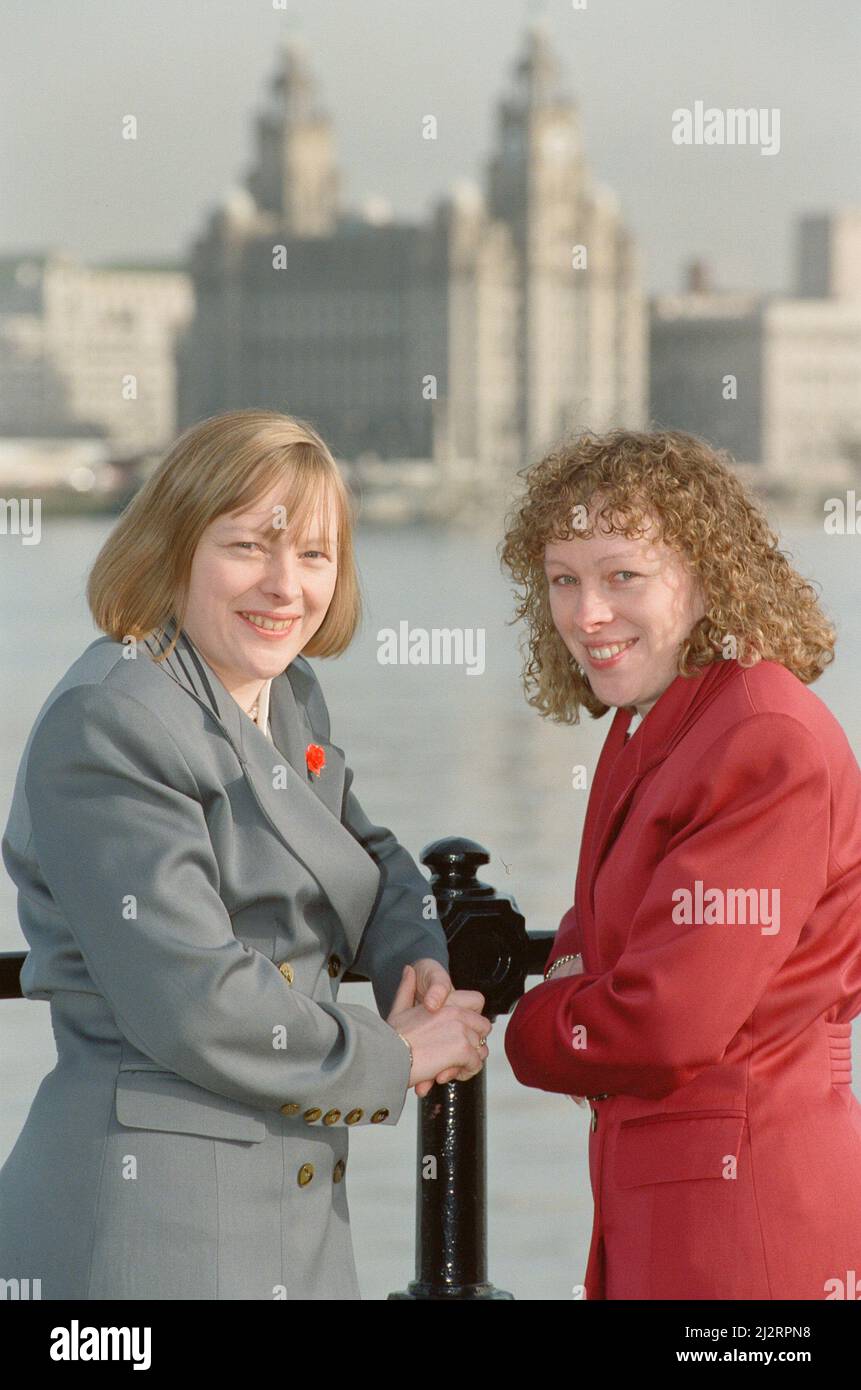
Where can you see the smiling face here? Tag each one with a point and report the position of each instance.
(622, 607)
(242, 569)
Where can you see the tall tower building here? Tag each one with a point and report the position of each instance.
(296, 176)
(582, 323)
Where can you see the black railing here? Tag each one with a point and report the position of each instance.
(491, 951)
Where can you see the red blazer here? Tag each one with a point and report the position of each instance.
(725, 1160)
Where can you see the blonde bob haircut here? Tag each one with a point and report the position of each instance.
(224, 464)
(699, 507)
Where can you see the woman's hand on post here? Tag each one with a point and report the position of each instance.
(446, 1041)
(433, 983)
(467, 999)
(434, 988)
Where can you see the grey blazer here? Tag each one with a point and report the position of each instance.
(191, 894)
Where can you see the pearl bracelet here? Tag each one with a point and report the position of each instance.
(561, 961)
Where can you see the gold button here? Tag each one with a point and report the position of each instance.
(305, 1174)
(291, 1108)
(379, 1115)
(334, 965)
(312, 1115)
(331, 1117)
(286, 970)
(338, 1170)
(354, 1117)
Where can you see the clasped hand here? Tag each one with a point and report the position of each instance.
(443, 1025)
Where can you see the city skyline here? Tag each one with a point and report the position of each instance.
(469, 338)
(450, 344)
(728, 206)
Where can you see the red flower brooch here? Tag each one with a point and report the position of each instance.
(315, 757)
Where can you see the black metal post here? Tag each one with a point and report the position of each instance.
(489, 951)
(10, 973)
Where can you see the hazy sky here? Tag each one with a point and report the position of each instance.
(194, 71)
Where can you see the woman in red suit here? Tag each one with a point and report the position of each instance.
(701, 989)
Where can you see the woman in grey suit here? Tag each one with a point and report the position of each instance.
(195, 874)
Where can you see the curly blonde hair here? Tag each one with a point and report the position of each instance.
(702, 510)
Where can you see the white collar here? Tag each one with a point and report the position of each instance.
(262, 720)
